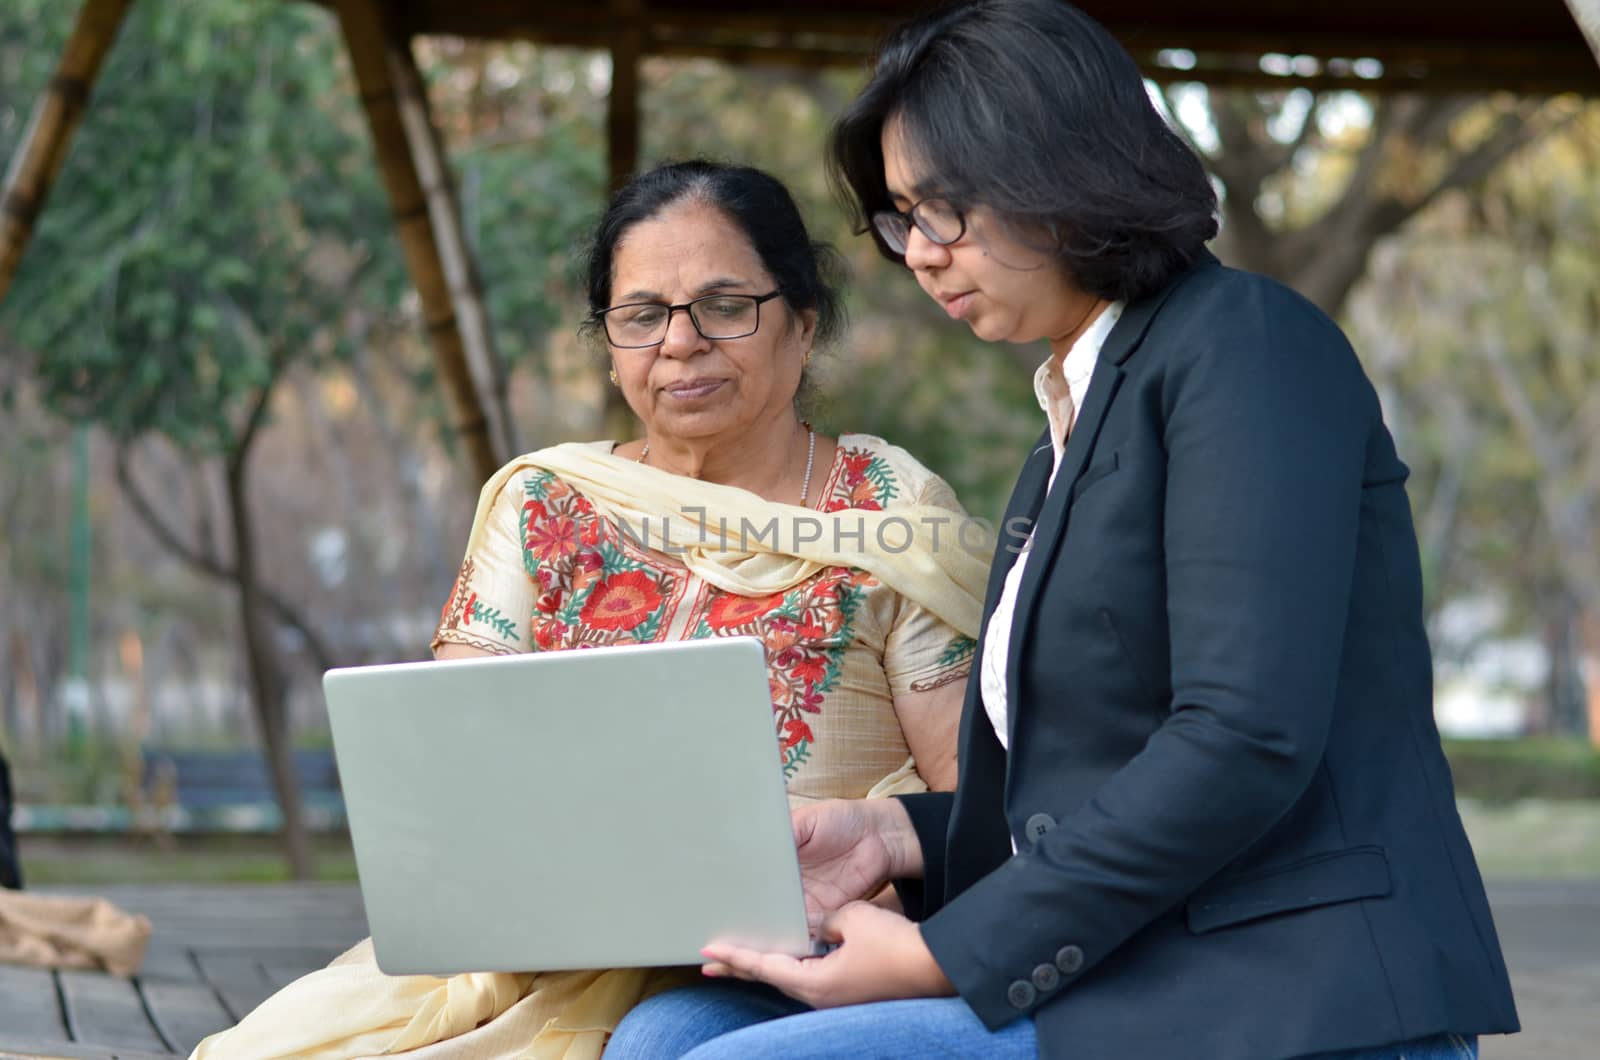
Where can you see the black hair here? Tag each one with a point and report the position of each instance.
(1032, 109)
(808, 274)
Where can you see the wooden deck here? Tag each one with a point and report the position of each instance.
(215, 953)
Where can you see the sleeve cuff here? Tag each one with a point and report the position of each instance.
(930, 819)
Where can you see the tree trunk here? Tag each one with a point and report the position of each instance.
(1589, 626)
(267, 685)
(1566, 712)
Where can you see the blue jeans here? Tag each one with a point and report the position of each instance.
(1437, 1047)
(732, 1020)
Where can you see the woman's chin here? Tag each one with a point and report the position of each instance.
(688, 424)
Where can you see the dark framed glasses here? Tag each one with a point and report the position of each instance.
(716, 316)
(938, 219)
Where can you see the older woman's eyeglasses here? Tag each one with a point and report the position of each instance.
(716, 316)
(938, 219)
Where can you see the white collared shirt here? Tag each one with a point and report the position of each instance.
(1061, 389)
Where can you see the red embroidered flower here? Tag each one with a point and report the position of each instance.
(863, 495)
(795, 731)
(809, 668)
(532, 513)
(547, 634)
(838, 504)
(449, 604)
(810, 701)
(590, 534)
(549, 603)
(855, 467)
(728, 610)
(621, 601)
(466, 613)
(779, 635)
(552, 540)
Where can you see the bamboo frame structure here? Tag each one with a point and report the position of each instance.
(622, 106)
(1587, 14)
(1423, 45)
(427, 219)
(55, 118)
(628, 40)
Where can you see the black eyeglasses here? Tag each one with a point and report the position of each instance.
(716, 316)
(938, 219)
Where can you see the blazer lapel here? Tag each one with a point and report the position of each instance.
(1047, 532)
(1026, 497)
(1053, 515)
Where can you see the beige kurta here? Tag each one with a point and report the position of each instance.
(548, 572)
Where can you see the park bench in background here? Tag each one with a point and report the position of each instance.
(200, 791)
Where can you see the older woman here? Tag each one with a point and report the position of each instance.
(1203, 810)
(731, 516)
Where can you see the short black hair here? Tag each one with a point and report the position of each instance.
(809, 274)
(1032, 109)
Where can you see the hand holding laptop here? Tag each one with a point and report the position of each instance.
(850, 848)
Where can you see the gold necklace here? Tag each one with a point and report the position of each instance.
(811, 456)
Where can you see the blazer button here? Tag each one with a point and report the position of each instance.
(1046, 978)
(1037, 826)
(1021, 994)
(1069, 959)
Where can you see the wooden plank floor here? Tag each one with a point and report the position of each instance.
(215, 952)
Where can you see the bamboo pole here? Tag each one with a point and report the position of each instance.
(44, 143)
(622, 103)
(1587, 14)
(622, 153)
(428, 222)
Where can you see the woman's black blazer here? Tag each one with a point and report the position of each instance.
(1236, 831)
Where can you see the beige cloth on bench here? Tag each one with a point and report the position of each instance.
(58, 931)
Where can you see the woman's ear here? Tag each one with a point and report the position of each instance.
(806, 321)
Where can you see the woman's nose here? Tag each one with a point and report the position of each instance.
(682, 338)
(924, 253)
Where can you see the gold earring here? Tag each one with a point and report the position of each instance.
(805, 359)
(614, 380)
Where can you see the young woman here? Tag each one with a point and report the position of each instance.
(1202, 808)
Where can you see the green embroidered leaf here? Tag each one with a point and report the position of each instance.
(537, 486)
(503, 625)
(880, 475)
(959, 650)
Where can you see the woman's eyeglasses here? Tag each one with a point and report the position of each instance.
(938, 219)
(716, 316)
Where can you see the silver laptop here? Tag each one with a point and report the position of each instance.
(578, 809)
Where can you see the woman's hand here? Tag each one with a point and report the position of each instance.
(849, 848)
(881, 957)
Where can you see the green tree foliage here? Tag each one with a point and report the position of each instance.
(1481, 318)
(218, 209)
(207, 233)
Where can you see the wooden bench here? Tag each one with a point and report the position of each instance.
(215, 953)
(220, 788)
